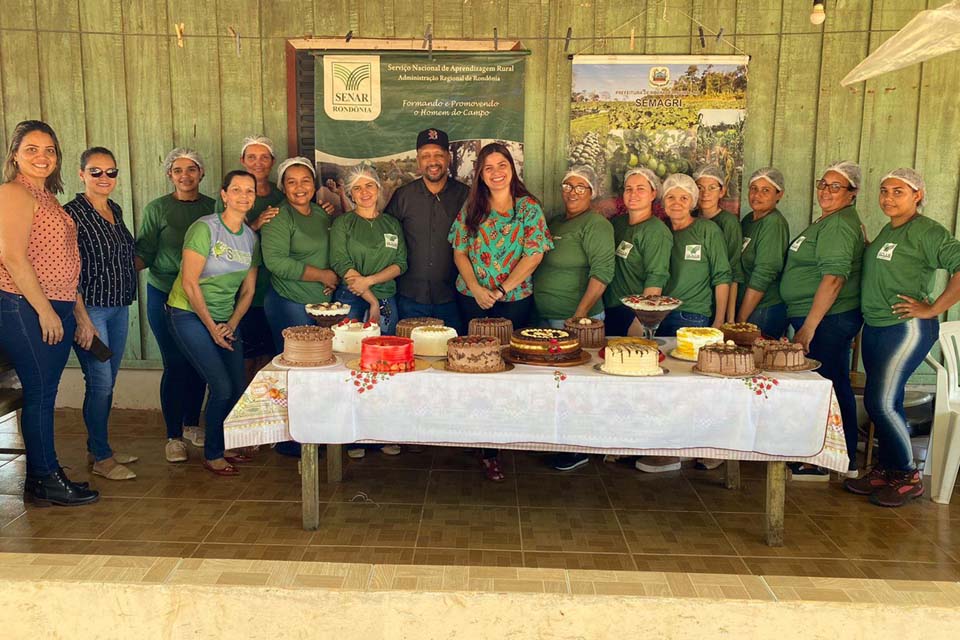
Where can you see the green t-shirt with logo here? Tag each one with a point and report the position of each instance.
(698, 263)
(582, 249)
(763, 252)
(229, 256)
(733, 239)
(901, 261)
(642, 258)
(160, 239)
(368, 247)
(290, 243)
(832, 246)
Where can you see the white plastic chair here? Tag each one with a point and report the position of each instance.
(943, 454)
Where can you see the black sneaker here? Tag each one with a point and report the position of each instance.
(569, 461)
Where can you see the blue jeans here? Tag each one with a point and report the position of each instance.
(447, 311)
(222, 369)
(617, 320)
(890, 356)
(831, 346)
(359, 309)
(679, 319)
(283, 313)
(181, 387)
(99, 377)
(772, 320)
(559, 324)
(39, 366)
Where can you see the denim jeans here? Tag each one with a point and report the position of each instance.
(518, 312)
(617, 320)
(679, 319)
(447, 311)
(559, 324)
(831, 346)
(359, 309)
(282, 314)
(181, 387)
(222, 369)
(258, 340)
(890, 356)
(39, 366)
(772, 320)
(99, 377)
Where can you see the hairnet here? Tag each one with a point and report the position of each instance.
(684, 182)
(771, 175)
(710, 171)
(358, 171)
(261, 140)
(848, 169)
(585, 172)
(912, 178)
(182, 152)
(646, 173)
(289, 162)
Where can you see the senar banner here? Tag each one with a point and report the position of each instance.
(666, 113)
(371, 107)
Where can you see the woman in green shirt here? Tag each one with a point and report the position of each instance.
(571, 279)
(700, 273)
(900, 326)
(711, 183)
(159, 247)
(821, 286)
(296, 250)
(766, 235)
(642, 244)
(368, 252)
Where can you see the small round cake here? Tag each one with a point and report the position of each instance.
(726, 359)
(474, 354)
(590, 332)
(327, 314)
(742, 333)
(779, 355)
(499, 328)
(407, 325)
(431, 340)
(544, 346)
(387, 354)
(691, 339)
(632, 360)
(307, 346)
(348, 334)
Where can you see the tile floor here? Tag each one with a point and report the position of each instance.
(436, 508)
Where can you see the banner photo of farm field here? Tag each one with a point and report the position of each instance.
(667, 113)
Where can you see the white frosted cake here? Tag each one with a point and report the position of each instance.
(348, 334)
(431, 341)
(632, 360)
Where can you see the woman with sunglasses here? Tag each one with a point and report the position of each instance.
(570, 281)
(821, 286)
(108, 282)
(710, 181)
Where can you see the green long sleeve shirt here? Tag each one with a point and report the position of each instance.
(160, 239)
(290, 243)
(698, 263)
(368, 247)
(733, 240)
(642, 258)
(764, 250)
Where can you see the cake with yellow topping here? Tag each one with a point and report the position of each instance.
(742, 333)
(544, 346)
(691, 339)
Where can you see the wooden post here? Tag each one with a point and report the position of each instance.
(731, 474)
(334, 463)
(310, 486)
(776, 494)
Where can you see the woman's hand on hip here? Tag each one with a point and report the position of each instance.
(912, 308)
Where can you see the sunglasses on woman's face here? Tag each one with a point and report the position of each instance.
(96, 172)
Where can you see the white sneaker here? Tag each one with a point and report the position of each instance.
(356, 453)
(657, 464)
(391, 449)
(176, 450)
(195, 435)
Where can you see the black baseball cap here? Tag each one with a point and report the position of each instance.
(433, 136)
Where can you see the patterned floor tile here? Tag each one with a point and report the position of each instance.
(249, 551)
(653, 492)
(749, 498)
(189, 479)
(383, 486)
(470, 488)
(368, 525)
(880, 539)
(363, 555)
(831, 499)
(556, 490)
(459, 527)
(578, 530)
(943, 532)
(690, 564)
(882, 570)
(261, 523)
(461, 459)
(802, 538)
(812, 567)
(11, 441)
(11, 508)
(416, 460)
(673, 532)
(167, 520)
(44, 545)
(141, 548)
(86, 522)
(149, 477)
(11, 477)
(282, 484)
(585, 561)
(468, 557)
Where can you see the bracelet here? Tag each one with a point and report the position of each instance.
(502, 290)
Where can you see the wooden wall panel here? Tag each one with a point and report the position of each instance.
(334, 17)
(668, 31)
(279, 20)
(19, 64)
(241, 77)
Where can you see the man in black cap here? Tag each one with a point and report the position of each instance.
(426, 208)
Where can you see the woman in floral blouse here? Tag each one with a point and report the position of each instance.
(498, 238)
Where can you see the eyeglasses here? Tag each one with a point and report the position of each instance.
(96, 172)
(578, 189)
(833, 187)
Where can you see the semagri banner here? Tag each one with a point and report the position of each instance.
(374, 105)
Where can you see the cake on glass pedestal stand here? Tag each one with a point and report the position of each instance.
(650, 311)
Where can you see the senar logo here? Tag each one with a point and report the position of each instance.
(351, 87)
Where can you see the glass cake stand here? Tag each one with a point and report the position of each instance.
(650, 319)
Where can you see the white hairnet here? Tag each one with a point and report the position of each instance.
(646, 173)
(710, 171)
(584, 172)
(684, 182)
(771, 175)
(848, 169)
(358, 171)
(261, 140)
(182, 152)
(289, 162)
(912, 178)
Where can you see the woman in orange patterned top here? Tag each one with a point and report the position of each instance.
(41, 312)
